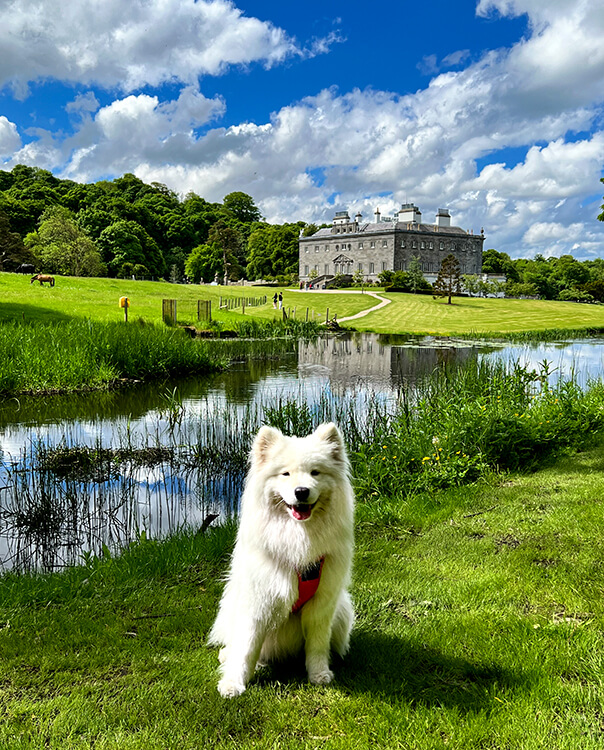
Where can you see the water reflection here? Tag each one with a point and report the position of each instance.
(48, 519)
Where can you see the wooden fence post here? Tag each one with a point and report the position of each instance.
(168, 311)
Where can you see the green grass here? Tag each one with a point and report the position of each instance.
(78, 354)
(480, 625)
(421, 314)
(97, 299)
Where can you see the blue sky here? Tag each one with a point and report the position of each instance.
(492, 109)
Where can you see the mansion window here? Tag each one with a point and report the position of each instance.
(326, 270)
(316, 248)
(360, 245)
(442, 246)
(306, 270)
(402, 244)
(373, 244)
(423, 245)
(372, 268)
(383, 265)
(360, 266)
(414, 244)
(384, 243)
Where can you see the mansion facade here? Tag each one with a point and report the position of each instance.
(350, 246)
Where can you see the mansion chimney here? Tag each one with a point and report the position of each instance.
(377, 215)
(443, 218)
(409, 214)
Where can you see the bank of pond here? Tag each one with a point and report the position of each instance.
(89, 486)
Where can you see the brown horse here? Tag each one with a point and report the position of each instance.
(43, 278)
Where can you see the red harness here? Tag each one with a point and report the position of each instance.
(308, 583)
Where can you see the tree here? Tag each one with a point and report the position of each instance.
(242, 207)
(127, 242)
(416, 276)
(231, 244)
(63, 247)
(448, 281)
(205, 263)
(470, 284)
(273, 250)
(12, 250)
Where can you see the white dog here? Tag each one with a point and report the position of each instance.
(287, 586)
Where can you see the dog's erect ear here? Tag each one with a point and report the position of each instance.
(266, 437)
(329, 433)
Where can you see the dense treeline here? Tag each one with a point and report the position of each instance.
(563, 278)
(126, 227)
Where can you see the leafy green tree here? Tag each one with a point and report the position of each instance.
(205, 263)
(385, 277)
(448, 281)
(231, 244)
(242, 207)
(570, 272)
(12, 250)
(273, 251)
(499, 263)
(470, 284)
(416, 276)
(401, 282)
(127, 242)
(63, 247)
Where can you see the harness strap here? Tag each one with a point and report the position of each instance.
(308, 583)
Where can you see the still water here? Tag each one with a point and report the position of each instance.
(181, 443)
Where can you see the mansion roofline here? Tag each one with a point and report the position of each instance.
(387, 243)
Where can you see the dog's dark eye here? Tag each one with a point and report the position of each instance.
(315, 473)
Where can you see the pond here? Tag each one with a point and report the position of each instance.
(81, 472)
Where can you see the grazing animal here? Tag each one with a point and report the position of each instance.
(287, 588)
(43, 278)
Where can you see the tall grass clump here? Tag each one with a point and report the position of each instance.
(456, 425)
(85, 354)
(255, 328)
(547, 334)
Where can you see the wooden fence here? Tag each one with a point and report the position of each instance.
(170, 314)
(232, 303)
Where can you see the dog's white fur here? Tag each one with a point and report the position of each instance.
(275, 541)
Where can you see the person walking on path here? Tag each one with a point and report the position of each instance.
(280, 300)
(275, 297)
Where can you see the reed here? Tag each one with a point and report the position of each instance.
(79, 355)
(450, 429)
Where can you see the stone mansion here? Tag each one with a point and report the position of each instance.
(387, 244)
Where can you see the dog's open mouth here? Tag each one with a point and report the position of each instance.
(302, 511)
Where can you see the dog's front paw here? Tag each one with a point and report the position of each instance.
(229, 688)
(322, 677)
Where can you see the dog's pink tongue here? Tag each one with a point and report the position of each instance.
(301, 513)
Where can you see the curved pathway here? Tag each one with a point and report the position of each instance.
(383, 301)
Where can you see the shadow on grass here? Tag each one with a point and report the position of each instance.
(21, 313)
(394, 670)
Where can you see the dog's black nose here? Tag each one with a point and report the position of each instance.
(301, 494)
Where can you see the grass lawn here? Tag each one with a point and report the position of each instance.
(408, 313)
(97, 299)
(420, 313)
(480, 625)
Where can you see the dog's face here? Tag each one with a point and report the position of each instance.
(300, 473)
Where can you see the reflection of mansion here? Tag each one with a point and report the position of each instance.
(387, 244)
